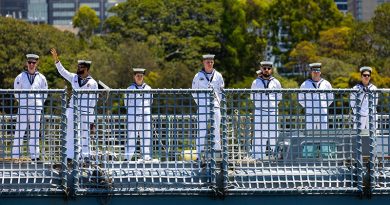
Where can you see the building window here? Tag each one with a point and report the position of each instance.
(91, 5)
(63, 5)
(63, 13)
(62, 22)
(342, 7)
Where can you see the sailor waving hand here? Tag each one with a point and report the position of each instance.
(86, 103)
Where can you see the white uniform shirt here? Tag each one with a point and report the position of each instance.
(316, 103)
(33, 82)
(203, 80)
(138, 103)
(363, 96)
(87, 102)
(267, 102)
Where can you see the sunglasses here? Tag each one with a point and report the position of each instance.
(266, 68)
(31, 62)
(366, 75)
(316, 70)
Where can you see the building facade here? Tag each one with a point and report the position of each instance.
(363, 10)
(14, 8)
(54, 12)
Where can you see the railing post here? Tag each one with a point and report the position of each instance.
(372, 128)
(359, 157)
(75, 171)
(224, 153)
(64, 167)
(212, 137)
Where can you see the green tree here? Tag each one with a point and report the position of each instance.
(300, 21)
(33, 39)
(302, 55)
(381, 27)
(86, 21)
(336, 71)
(244, 38)
(334, 42)
(174, 30)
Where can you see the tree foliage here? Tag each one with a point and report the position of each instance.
(17, 38)
(168, 37)
(301, 20)
(302, 55)
(334, 42)
(86, 21)
(243, 37)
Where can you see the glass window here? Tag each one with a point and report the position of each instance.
(37, 10)
(63, 13)
(342, 7)
(63, 5)
(62, 22)
(92, 5)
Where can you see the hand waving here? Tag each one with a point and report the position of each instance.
(54, 54)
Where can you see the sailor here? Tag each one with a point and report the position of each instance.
(208, 78)
(266, 111)
(30, 107)
(86, 103)
(364, 87)
(138, 116)
(316, 103)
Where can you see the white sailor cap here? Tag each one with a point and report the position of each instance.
(84, 62)
(315, 65)
(32, 56)
(139, 70)
(365, 68)
(266, 63)
(208, 56)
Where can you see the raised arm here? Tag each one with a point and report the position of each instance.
(64, 73)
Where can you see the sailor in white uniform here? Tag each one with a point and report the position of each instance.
(364, 87)
(266, 111)
(208, 78)
(30, 107)
(86, 103)
(316, 103)
(138, 116)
